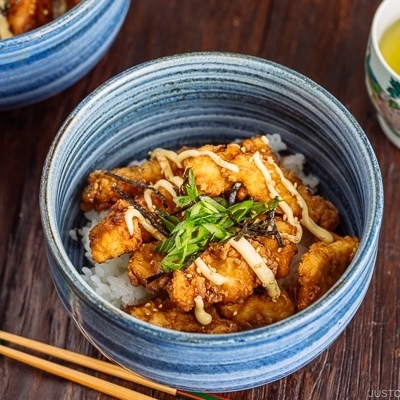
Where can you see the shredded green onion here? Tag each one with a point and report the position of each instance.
(206, 220)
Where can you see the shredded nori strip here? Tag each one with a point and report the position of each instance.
(266, 228)
(156, 276)
(140, 185)
(151, 217)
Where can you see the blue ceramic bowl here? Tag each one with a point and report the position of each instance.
(189, 100)
(47, 60)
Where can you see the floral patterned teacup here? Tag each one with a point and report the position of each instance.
(383, 83)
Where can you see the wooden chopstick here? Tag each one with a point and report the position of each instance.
(76, 376)
(88, 362)
(84, 361)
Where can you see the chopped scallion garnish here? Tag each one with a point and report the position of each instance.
(206, 220)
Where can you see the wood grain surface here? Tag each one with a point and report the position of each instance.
(326, 41)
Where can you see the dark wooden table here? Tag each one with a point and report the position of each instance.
(324, 40)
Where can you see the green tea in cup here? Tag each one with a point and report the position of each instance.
(389, 45)
(382, 68)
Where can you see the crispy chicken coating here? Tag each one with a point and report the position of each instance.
(214, 179)
(144, 263)
(100, 194)
(258, 310)
(168, 315)
(25, 15)
(321, 266)
(322, 211)
(209, 177)
(110, 238)
(282, 256)
(184, 286)
(256, 143)
(240, 282)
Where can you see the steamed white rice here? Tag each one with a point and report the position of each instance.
(110, 279)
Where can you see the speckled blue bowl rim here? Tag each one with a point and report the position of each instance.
(366, 249)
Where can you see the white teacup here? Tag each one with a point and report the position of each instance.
(383, 83)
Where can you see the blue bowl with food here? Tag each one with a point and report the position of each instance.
(211, 219)
(45, 48)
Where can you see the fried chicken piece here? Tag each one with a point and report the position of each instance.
(240, 279)
(110, 238)
(166, 314)
(282, 256)
(258, 310)
(25, 15)
(99, 194)
(184, 286)
(240, 282)
(321, 267)
(105, 235)
(209, 178)
(144, 263)
(252, 178)
(257, 143)
(257, 188)
(322, 211)
(215, 180)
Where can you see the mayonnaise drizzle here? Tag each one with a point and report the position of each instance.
(201, 315)
(209, 272)
(176, 180)
(307, 221)
(258, 265)
(215, 157)
(283, 205)
(162, 183)
(131, 213)
(166, 154)
(162, 157)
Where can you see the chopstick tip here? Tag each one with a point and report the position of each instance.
(200, 396)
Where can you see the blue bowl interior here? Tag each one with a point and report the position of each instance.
(210, 103)
(193, 99)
